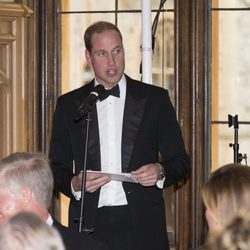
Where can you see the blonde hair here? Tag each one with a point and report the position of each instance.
(228, 192)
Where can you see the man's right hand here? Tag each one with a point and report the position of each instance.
(93, 182)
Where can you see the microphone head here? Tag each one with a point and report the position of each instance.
(98, 90)
(97, 94)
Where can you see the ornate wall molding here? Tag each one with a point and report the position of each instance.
(16, 10)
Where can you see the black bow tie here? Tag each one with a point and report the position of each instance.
(115, 91)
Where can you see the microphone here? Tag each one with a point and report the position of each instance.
(88, 104)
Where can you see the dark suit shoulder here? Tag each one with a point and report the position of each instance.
(145, 88)
(75, 240)
(76, 93)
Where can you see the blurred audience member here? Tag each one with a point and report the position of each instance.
(26, 185)
(26, 231)
(235, 236)
(226, 195)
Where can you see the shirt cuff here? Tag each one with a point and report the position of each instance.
(160, 183)
(76, 194)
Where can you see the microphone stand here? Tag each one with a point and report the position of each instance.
(98, 93)
(88, 120)
(238, 157)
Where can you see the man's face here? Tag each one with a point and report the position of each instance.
(10, 204)
(107, 58)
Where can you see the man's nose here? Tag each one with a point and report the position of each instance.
(111, 59)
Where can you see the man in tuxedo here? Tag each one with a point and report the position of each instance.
(133, 130)
(26, 185)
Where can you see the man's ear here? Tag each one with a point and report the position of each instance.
(25, 195)
(87, 56)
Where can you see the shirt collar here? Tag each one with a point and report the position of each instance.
(49, 220)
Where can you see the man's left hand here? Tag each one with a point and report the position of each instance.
(147, 175)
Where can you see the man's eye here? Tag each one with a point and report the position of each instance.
(101, 53)
(117, 51)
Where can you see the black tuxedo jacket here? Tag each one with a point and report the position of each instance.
(78, 241)
(150, 131)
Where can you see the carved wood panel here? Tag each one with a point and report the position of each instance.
(13, 78)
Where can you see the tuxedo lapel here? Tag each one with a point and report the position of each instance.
(133, 112)
(94, 142)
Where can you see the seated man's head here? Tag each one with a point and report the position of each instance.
(26, 185)
(226, 195)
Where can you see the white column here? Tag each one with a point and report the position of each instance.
(146, 41)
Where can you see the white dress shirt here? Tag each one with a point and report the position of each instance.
(110, 119)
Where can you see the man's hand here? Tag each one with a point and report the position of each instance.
(147, 175)
(93, 182)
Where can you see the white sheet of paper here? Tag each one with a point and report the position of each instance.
(127, 177)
